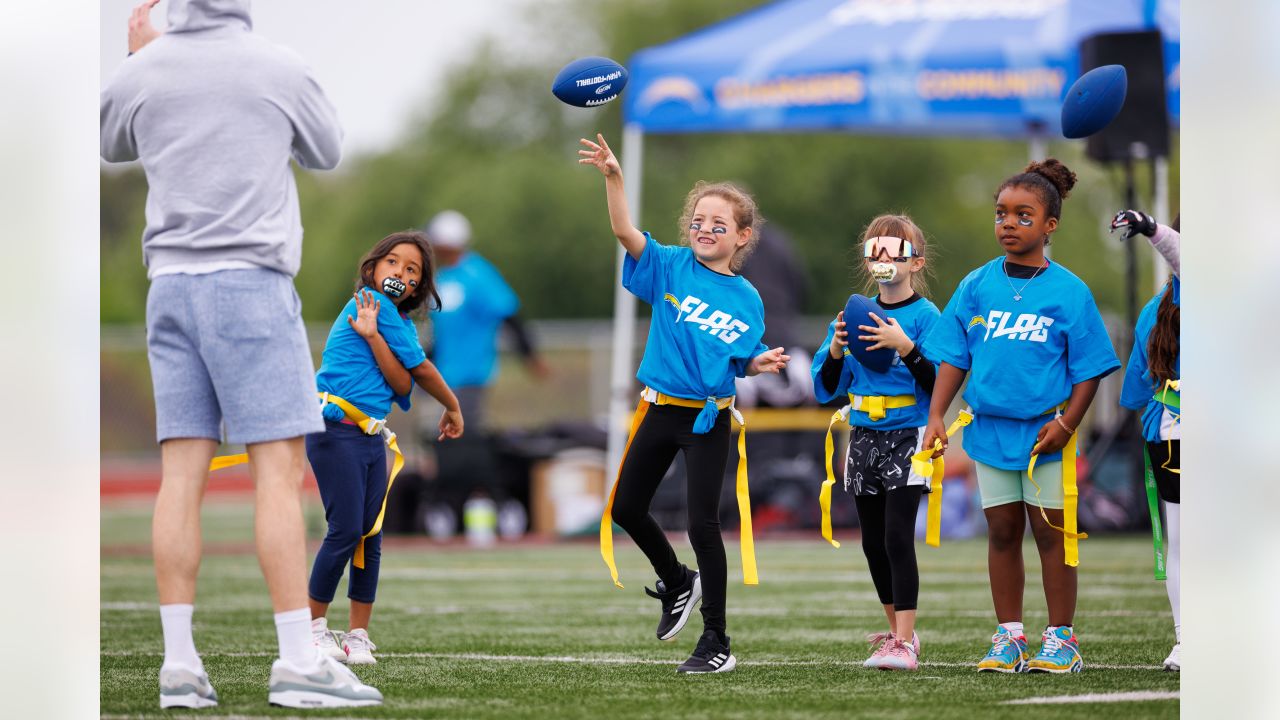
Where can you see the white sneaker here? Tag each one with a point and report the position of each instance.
(326, 640)
(359, 648)
(180, 687)
(330, 684)
(1174, 661)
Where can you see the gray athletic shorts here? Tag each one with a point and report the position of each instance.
(228, 349)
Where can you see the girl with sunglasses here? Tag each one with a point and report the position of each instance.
(887, 415)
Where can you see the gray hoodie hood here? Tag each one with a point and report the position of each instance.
(196, 15)
(215, 112)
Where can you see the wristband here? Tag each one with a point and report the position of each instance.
(1064, 425)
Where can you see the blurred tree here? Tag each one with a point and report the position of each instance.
(497, 146)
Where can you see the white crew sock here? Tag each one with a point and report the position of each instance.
(1014, 628)
(179, 646)
(293, 630)
(1172, 562)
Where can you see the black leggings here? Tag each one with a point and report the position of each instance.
(664, 430)
(889, 542)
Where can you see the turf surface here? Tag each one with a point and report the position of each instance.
(539, 631)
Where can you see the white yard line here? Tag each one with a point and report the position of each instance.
(607, 660)
(1136, 696)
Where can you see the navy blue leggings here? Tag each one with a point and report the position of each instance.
(351, 470)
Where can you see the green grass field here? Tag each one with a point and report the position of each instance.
(539, 631)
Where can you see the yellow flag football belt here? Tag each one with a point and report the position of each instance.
(653, 397)
(370, 426)
(874, 406)
(923, 464)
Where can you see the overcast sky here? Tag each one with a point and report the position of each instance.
(378, 61)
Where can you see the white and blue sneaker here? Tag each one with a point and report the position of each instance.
(330, 684)
(183, 688)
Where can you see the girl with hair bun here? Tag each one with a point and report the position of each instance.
(1028, 335)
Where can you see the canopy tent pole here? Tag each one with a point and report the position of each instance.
(621, 395)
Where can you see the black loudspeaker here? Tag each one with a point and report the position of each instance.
(1144, 119)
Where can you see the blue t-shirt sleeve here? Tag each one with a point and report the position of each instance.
(815, 369)
(925, 322)
(643, 277)
(400, 334)
(1137, 390)
(947, 339)
(1089, 351)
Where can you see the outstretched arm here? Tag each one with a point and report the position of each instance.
(603, 159)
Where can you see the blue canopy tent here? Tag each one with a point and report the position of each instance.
(969, 68)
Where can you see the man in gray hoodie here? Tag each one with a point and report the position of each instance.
(214, 113)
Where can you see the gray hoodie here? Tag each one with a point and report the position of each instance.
(214, 113)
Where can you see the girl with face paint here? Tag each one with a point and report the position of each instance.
(1028, 335)
(706, 331)
(886, 413)
(371, 359)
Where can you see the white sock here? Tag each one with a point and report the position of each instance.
(179, 646)
(293, 630)
(1014, 628)
(1172, 562)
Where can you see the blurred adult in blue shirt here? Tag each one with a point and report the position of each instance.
(475, 303)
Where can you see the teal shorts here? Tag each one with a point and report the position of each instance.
(1001, 487)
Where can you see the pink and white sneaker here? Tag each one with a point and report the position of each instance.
(901, 656)
(881, 643)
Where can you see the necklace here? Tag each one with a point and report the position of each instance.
(1017, 294)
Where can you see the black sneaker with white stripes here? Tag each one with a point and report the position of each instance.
(710, 656)
(677, 603)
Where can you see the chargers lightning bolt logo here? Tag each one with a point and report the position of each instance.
(977, 320)
(668, 297)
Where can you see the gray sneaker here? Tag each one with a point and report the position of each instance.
(330, 685)
(180, 687)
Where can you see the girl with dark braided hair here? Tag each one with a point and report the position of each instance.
(1152, 386)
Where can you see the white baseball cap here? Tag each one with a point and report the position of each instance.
(449, 229)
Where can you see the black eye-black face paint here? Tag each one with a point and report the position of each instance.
(715, 230)
(413, 283)
(392, 287)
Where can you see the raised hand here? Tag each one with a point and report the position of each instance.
(841, 339)
(141, 31)
(769, 361)
(600, 156)
(886, 335)
(365, 322)
(1133, 222)
(450, 424)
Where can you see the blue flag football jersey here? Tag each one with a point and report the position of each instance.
(1023, 356)
(348, 368)
(474, 301)
(706, 327)
(916, 320)
(1140, 386)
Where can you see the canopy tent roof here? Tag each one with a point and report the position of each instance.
(995, 68)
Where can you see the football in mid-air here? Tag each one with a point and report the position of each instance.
(1094, 101)
(589, 81)
(857, 311)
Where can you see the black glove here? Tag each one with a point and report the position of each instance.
(1134, 222)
